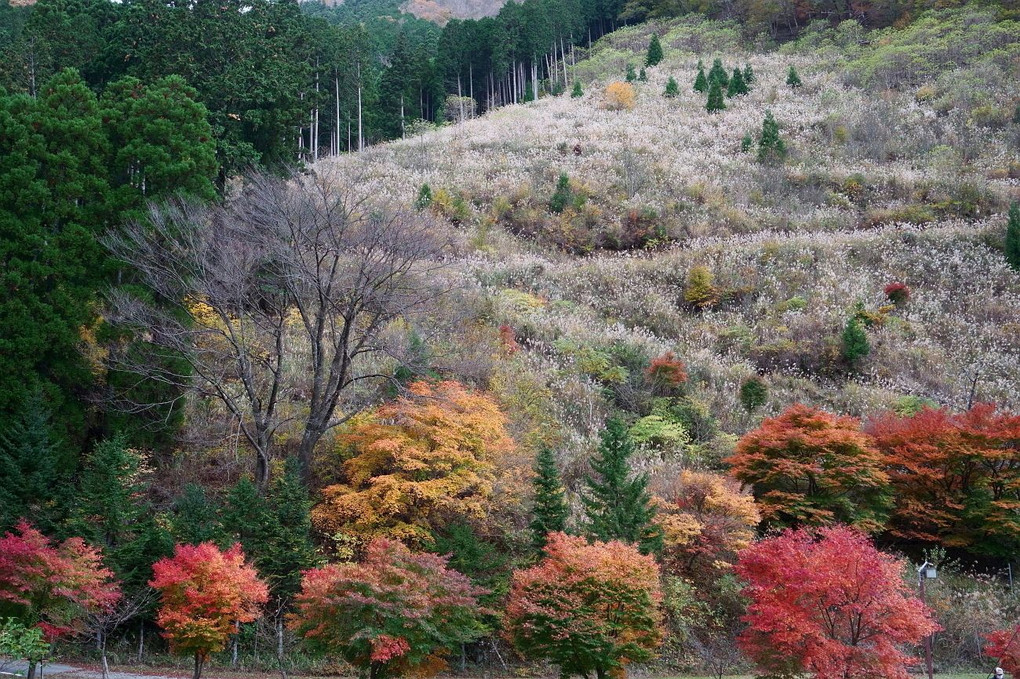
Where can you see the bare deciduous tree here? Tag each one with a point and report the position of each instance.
(277, 298)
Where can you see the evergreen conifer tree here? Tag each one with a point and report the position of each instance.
(792, 79)
(748, 74)
(746, 143)
(737, 86)
(424, 198)
(654, 52)
(34, 469)
(672, 89)
(642, 76)
(701, 82)
(1013, 236)
(716, 101)
(195, 518)
(618, 506)
(550, 511)
(855, 343)
(631, 74)
(110, 512)
(771, 149)
(562, 195)
(718, 73)
(577, 91)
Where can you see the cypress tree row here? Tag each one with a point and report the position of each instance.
(617, 506)
(550, 509)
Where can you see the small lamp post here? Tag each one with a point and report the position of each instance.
(925, 572)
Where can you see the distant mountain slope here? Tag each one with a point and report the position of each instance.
(441, 11)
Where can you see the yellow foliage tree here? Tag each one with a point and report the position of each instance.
(620, 96)
(415, 464)
(706, 519)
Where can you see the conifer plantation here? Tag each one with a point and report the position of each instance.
(509, 339)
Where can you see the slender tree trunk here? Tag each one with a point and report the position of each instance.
(279, 645)
(471, 82)
(336, 88)
(534, 78)
(199, 661)
(460, 99)
(102, 655)
(361, 132)
(31, 670)
(141, 640)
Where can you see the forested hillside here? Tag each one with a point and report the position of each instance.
(576, 337)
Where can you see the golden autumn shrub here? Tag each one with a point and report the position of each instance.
(620, 96)
(415, 464)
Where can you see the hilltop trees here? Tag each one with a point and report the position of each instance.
(397, 611)
(587, 608)
(231, 278)
(830, 605)
(617, 505)
(808, 467)
(204, 593)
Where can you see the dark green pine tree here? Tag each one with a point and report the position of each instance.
(550, 510)
(562, 195)
(577, 91)
(195, 518)
(737, 85)
(771, 148)
(616, 505)
(110, 511)
(672, 89)
(642, 76)
(275, 530)
(792, 79)
(34, 470)
(654, 52)
(748, 75)
(718, 73)
(716, 100)
(855, 343)
(1013, 236)
(701, 82)
(631, 73)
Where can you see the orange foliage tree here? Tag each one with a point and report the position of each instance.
(706, 520)
(831, 605)
(415, 464)
(1004, 646)
(666, 373)
(49, 586)
(587, 607)
(204, 593)
(956, 477)
(809, 467)
(397, 611)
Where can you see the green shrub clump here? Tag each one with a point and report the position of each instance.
(672, 89)
(424, 198)
(754, 393)
(855, 343)
(562, 195)
(577, 91)
(792, 79)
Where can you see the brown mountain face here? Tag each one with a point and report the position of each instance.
(441, 11)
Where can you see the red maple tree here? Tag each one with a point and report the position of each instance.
(810, 467)
(956, 476)
(588, 608)
(52, 586)
(204, 593)
(828, 603)
(397, 611)
(1004, 646)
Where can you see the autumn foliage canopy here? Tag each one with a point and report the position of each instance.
(52, 586)
(1004, 646)
(415, 464)
(588, 608)
(204, 592)
(809, 467)
(397, 611)
(829, 604)
(957, 477)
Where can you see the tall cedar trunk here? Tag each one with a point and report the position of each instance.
(141, 640)
(361, 134)
(279, 646)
